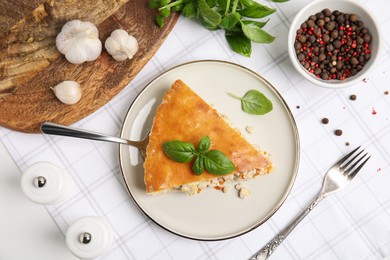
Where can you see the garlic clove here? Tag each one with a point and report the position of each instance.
(68, 92)
(79, 41)
(120, 45)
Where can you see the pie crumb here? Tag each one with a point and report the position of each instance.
(244, 193)
(249, 129)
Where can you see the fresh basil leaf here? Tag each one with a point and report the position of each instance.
(229, 21)
(256, 23)
(207, 15)
(165, 12)
(256, 34)
(153, 4)
(247, 2)
(198, 166)
(223, 5)
(204, 144)
(178, 7)
(254, 102)
(239, 43)
(206, 24)
(179, 151)
(164, 2)
(257, 11)
(211, 3)
(160, 20)
(215, 162)
(189, 10)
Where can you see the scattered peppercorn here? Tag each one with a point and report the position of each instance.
(338, 132)
(352, 97)
(333, 45)
(325, 121)
(347, 143)
(386, 92)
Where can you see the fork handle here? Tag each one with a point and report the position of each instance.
(56, 129)
(269, 248)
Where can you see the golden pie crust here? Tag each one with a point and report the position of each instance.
(185, 116)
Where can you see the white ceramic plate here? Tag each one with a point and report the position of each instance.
(213, 215)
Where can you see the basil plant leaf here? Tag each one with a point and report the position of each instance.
(215, 162)
(208, 16)
(179, 151)
(211, 3)
(189, 10)
(204, 144)
(255, 102)
(239, 43)
(256, 23)
(154, 4)
(256, 34)
(198, 166)
(223, 5)
(257, 10)
(229, 21)
(247, 2)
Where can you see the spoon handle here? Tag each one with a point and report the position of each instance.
(56, 129)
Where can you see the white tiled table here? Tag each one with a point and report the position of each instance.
(352, 224)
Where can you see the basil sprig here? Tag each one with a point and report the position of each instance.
(254, 102)
(229, 15)
(214, 161)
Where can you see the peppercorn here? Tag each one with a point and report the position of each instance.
(334, 34)
(352, 97)
(302, 38)
(301, 56)
(367, 37)
(338, 132)
(321, 22)
(354, 61)
(327, 12)
(339, 65)
(310, 23)
(326, 38)
(330, 26)
(340, 18)
(297, 45)
(324, 76)
(337, 44)
(325, 121)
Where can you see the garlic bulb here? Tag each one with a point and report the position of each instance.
(79, 41)
(68, 92)
(121, 45)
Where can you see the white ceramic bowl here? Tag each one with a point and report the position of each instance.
(345, 6)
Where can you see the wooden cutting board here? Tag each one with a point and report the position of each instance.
(30, 63)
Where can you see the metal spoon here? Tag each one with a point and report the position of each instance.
(56, 129)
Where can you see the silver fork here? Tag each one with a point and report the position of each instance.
(337, 177)
(56, 129)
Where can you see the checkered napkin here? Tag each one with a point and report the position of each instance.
(351, 224)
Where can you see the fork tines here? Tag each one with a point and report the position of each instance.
(351, 163)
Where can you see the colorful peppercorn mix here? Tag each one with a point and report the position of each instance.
(333, 45)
